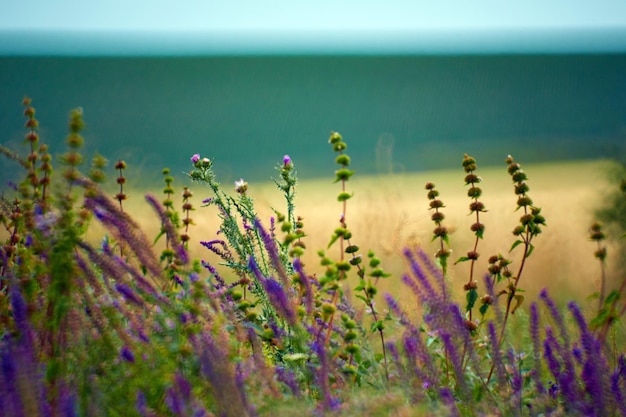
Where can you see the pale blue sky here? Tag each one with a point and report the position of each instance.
(294, 15)
(314, 23)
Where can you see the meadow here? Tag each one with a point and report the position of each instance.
(490, 291)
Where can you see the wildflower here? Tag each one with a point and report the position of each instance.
(241, 186)
(195, 158)
(127, 355)
(286, 160)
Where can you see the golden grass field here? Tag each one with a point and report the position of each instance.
(390, 212)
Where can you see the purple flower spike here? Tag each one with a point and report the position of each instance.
(128, 294)
(195, 158)
(127, 355)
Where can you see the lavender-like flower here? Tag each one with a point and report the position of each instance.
(287, 377)
(569, 373)
(172, 236)
(495, 353)
(308, 296)
(275, 293)
(127, 354)
(128, 294)
(448, 399)
(565, 378)
(272, 251)
(618, 393)
(429, 294)
(195, 158)
(553, 364)
(534, 335)
(321, 376)
(595, 365)
(126, 228)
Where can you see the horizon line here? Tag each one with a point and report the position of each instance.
(279, 43)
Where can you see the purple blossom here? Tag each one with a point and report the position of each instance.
(308, 290)
(170, 231)
(128, 294)
(140, 404)
(276, 294)
(516, 381)
(455, 359)
(286, 160)
(553, 364)
(287, 377)
(127, 354)
(195, 158)
(534, 335)
(616, 389)
(495, 353)
(595, 366)
(448, 399)
(428, 295)
(272, 250)
(321, 376)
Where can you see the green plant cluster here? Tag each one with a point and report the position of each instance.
(114, 327)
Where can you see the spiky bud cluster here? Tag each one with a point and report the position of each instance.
(46, 170)
(286, 170)
(474, 192)
(72, 159)
(32, 138)
(187, 221)
(498, 267)
(120, 166)
(343, 174)
(202, 171)
(529, 222)
(96, 173)
(597, 235)
(440, 231)
(168, 190)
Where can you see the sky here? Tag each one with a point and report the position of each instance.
(309, 25)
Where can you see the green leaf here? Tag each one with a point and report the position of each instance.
(462, 259)
(531, 248)
(156, 239)
(612, 298)
(483, 309)
(362, 298)
(515, 244)
(519, 299)
(377, 326)
(333, 240)
(471, 297)
(593, 296)
(602, 318)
